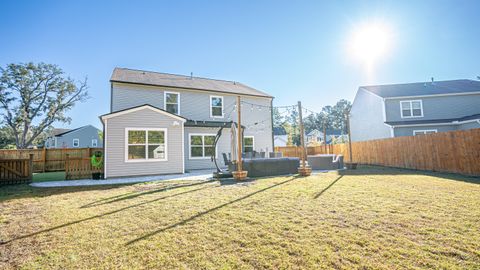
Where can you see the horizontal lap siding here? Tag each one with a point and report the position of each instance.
(115, 135)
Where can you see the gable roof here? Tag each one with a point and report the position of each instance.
(73, 130)
(125, 75)
(424, 88)
(141, 107)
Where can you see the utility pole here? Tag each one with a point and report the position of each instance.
(240, 174)
(304, 169)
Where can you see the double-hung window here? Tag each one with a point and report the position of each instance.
(76, 142)
(411, 108)
(202, 146)
(94, 142)
(146, 144)
(424, 132)
(248, 143)
(172, 102)
(216, 106)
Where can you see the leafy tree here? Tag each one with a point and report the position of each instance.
(338, 114)
(278, 119)
(7, 140)
(34, 96)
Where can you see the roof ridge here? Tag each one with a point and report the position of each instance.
(394, 84)
(180, 75)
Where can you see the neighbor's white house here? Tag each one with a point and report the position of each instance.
(385, 111)
(163, 123)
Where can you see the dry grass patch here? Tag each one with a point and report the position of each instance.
(370, 218)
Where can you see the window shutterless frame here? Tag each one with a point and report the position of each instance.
(221, 107)
(410, 104)
(424, 131)
(252, 145)
(203, 135)
(76, 143)
(94, 142)
(146, 159)
(165, 100)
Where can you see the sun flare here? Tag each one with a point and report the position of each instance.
(370, 42)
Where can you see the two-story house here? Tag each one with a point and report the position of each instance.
(86, 136)
(384, 111)
(163, 123)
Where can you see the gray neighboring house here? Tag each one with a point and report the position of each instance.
(82, 137)
(385, 111)
(164, 123)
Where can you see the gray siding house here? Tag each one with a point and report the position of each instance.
(385, 111)
(82, 137)
(163, 123)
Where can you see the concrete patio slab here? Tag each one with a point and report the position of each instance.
(197, 175)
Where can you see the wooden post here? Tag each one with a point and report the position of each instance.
(303, 170)
(44, 158)
(66, 166)
(351, 165)
(240, 174)
(30, 165)
(325, 139)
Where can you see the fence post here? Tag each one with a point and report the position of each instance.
(44, 158)
(30, 169)
(66, 166)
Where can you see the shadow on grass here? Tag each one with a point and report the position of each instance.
(208, 211)
(100, 215)
(132, 195)
(381, 170)
(328, 187)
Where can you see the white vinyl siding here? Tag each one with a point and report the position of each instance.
(411, 108)
(216, 106)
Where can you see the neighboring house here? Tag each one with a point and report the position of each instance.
(82, 137)
(316, 137)
(385, 111)
(163, 123)
(280, 137)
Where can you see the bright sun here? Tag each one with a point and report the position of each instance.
(370, 42)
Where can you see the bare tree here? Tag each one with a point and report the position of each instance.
(34, 96)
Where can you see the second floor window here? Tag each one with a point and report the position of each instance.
(216, 106)
(94, 143)
(76, 142)
(172, 102)
(411, 108)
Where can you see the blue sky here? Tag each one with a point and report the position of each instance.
(294, 50)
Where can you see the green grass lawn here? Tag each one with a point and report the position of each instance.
(371, 218)
(48, 176)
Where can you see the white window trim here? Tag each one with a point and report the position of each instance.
(223, 104)
(96, 143)
(203, 146)
(146, 159)
(253, 141)
(411, 108)
(165, 100)
(424, 131)
(78, 143)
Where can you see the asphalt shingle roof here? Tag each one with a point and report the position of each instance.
(424, 88)
(180, 81)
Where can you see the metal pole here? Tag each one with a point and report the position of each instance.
(239, 135)
(302, 139)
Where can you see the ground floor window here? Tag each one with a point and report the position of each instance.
(202, 146)
(248, 144)
(146, 144)
(424, 132)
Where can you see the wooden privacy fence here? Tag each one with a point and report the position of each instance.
(80, 168)
(453, 151)
(48, 160)
(16, 171)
